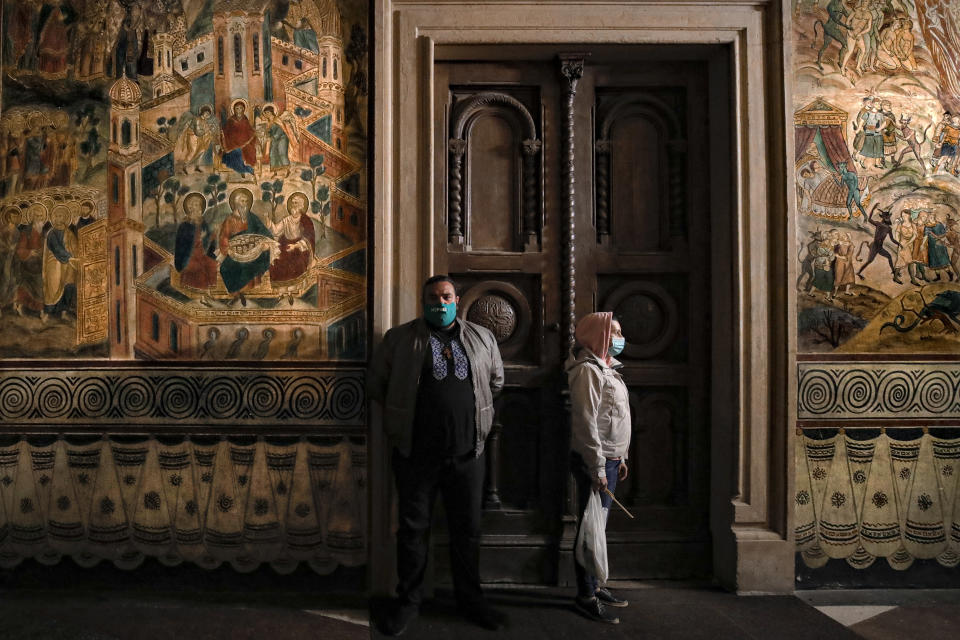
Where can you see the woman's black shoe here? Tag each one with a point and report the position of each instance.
(594, 609)
(607, 598)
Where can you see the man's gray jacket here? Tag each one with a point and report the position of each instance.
(394, 376)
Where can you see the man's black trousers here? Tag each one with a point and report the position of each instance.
(460, 482)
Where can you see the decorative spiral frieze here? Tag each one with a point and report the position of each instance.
(177, 396)
(878, 390)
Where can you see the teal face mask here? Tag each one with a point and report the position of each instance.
(440, 314)
(616, 346)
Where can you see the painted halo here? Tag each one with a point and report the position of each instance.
(298, 195)
(236, 192)
(194, 195)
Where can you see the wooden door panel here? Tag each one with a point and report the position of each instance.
(641, 242)
(492, 173)
(649, 263)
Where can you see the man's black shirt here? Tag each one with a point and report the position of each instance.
(444, 423)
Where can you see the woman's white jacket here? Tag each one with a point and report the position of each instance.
(600, 410)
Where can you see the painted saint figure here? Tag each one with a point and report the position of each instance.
(35, 169)
(239, 141)
(59, 267)
(277, 142)
(28, 260)
(195, 143)
(296, 235)
(194, 248)
(9, 219)
(53, 44)
(242, 268)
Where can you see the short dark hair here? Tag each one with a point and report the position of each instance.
(440, 277)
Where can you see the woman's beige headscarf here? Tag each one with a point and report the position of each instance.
(593, 332)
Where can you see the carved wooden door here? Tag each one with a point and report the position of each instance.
(568, 188)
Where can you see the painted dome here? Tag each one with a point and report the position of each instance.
(125, 93)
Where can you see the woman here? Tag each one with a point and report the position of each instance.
(600, 436)
(843, 265)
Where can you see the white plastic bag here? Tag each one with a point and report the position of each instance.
(591, 546)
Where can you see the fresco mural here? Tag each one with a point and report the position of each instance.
(877, 120)
(183, 180)
(877, 175)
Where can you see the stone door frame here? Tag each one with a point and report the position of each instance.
(753, 374)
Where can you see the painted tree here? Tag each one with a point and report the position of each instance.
(272, 193)
(356, 54)
(165, 126)
(312, 175)
(87, 124)
(215, 190)
(321, 207)
(173, 195)
(156, 192)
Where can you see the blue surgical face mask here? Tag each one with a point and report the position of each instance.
(616, 346)
(439, 314)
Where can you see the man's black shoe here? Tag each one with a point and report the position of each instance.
(594, 609)
(483, 615)
(607, 598)
(397, 620)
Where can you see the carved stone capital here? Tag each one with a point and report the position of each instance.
(571, 67)
(531, 147)
(457, 147)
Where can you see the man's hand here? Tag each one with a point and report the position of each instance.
(622, 471)
(599, 483)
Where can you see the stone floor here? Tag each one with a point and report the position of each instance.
(60, 603)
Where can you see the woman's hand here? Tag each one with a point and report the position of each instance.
(622, 471)
(600, 483)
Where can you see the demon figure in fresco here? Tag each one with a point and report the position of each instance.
(199, 165)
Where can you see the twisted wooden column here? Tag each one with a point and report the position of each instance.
(530, 228)
(455, 229)
(602, 148)
(571, 68)
(677, 163)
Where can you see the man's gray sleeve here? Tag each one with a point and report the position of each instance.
(496, 366)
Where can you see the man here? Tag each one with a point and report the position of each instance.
(435, 378)
(243, 271)
(192, 251)
(948, 141)
(59, 270)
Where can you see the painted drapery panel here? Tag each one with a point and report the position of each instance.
(184, 179)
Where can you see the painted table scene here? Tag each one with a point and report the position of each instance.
(184, 179)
